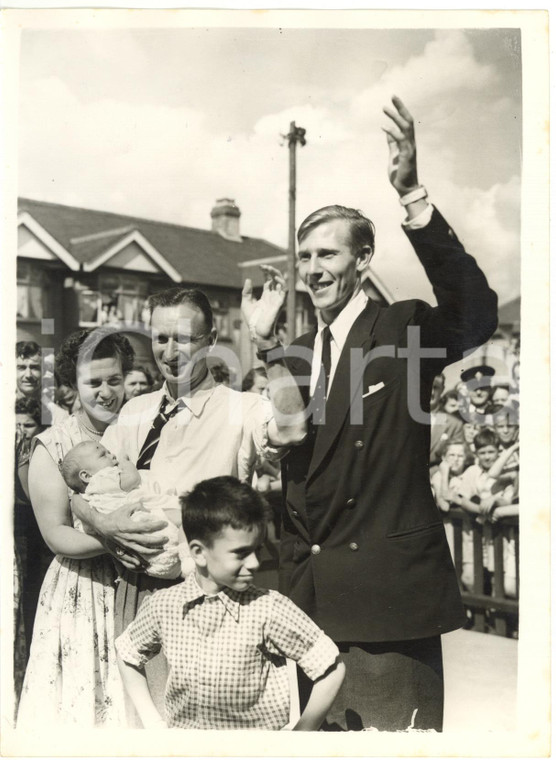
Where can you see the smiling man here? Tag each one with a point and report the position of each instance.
(189, 430)
(363, 549)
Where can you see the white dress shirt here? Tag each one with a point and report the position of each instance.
(218, 431)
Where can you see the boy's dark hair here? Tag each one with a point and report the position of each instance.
(218, 502)
(177, 296)
(486, 437)
(26, 348)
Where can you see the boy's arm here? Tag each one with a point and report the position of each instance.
(322, 696)
(509, 510)
(496, 469)
(135, 683)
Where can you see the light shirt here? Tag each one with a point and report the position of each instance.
(339, 331)
(226, 653)
(218, 431)
(340, 327)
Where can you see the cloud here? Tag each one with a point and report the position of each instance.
(172, 162)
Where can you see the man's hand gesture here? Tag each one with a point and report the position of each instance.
(402, 164)
(261, 316)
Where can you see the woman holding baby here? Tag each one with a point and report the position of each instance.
(72, 676)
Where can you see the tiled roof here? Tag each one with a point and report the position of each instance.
(200, 256)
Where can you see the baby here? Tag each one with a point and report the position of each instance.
(106, 483)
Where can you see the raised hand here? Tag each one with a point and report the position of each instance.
(402, 163)
(261, 316)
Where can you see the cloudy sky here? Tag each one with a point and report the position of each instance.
(161, 122)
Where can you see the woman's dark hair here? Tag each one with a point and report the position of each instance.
(249, 379)
(218, 502)
(30, 406)
(86, 345)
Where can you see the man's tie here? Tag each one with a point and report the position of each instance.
(326, 358)
(321, 390)
(153, 436)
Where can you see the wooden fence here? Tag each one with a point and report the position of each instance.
(486, 558)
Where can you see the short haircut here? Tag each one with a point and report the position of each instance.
(220, 502)
(110, 346)
(453, 394)
(30, 406)
(443, 449)
(26, 348)
(144, 370)
(361, 228)
(71, 466)
(485, 437)
(249, 380)
(190, 296)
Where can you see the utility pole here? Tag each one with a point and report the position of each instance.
(295, 135)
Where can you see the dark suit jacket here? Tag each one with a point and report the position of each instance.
(363, 548)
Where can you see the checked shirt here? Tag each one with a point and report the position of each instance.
(226, 653)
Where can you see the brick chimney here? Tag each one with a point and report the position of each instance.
(225, 219)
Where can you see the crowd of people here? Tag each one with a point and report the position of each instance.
(474, 462)
(147, 506)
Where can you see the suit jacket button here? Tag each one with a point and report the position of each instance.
(315, 549)
(295, 513)
(359, 444)
(350, 503)
(353, 546)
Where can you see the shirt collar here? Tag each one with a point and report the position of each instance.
(197, 399)
(343, 323)
(193, 594)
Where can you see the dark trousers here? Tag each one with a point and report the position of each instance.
(389, 686)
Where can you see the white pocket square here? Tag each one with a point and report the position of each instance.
(373, 389)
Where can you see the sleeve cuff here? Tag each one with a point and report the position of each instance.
(129, 653)
(319, 658)
(419, 221)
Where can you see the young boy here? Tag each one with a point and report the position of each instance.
(106, 483)
(475, 495)
(226, 641)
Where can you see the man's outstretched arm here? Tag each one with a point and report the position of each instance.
(288, 426)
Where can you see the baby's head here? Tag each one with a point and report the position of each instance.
(225, 523)
(84, 461)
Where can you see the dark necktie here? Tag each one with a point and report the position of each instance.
(326, 358)
(153, 436)
(321, 389)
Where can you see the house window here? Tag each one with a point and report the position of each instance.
(31, 297)
(119, 298)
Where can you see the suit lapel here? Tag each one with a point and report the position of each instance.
(339, 398)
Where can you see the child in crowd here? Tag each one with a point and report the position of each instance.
(106, 483)
(446, 481)
(226, 641)
(447, 478)
(477, 494)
